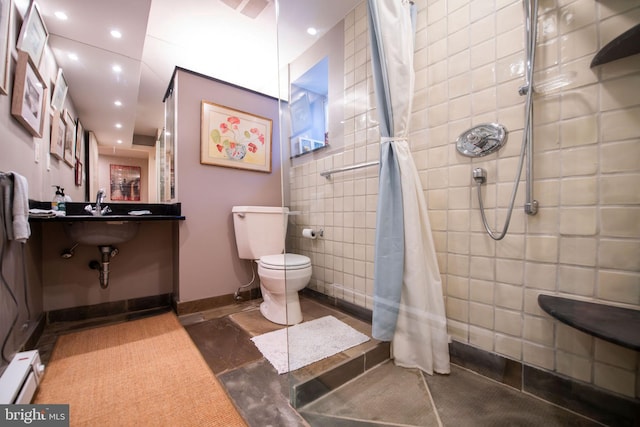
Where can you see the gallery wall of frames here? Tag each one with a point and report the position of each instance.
(34, 96)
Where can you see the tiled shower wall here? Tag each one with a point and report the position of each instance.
(585, 240)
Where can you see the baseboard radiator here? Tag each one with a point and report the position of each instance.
(20, 380)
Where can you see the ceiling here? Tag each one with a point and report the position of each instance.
(237, 41)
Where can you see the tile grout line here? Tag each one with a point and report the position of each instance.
(433, 403)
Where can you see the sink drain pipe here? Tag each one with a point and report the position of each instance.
(106, 252)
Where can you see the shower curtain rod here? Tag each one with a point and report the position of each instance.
(327, 174)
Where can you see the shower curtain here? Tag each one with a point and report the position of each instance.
(408, 306)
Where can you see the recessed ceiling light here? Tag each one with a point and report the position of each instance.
(117, 103)
(116, 68)
(61, 15)
(312, 31)
(73, 56)
(116, 34)
(118, 125)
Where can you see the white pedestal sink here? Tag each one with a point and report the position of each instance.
(101, 233)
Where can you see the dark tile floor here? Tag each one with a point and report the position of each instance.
(384, 396)
(262, 396)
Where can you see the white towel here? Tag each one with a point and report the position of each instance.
(6, 188)
(21, 229)
(45, 213)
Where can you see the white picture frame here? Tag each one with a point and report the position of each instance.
(33, 34)
(29, 95)
(69, 139)
(60, 90)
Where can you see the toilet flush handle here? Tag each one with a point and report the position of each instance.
(240, 214)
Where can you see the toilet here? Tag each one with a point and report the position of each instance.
(260, 234)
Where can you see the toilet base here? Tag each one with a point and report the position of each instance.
(283, 309)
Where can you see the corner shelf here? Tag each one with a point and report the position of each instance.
(611, 323)
(626, 44)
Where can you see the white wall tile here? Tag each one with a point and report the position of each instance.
(508, 322)
(508, 346)
(615, 379)
(574, 366)
(538, 355)
(584, 240)
(576, 280)
(619, 286)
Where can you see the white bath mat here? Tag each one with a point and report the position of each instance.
(308, 342)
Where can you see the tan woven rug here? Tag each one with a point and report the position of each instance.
(138, 373)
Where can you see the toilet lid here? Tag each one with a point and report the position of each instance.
(285, 262)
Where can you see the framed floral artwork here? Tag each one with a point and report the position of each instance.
(58, 134)
(33, 34)
(29, 96)
(125, 182)
(234, 139)
(69, 139)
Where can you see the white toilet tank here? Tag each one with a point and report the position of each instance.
(260, 230)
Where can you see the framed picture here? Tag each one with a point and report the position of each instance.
(125, 182)
(79, 139)
(58, 134)
(6, 9)
(234, 139)
(33, 34)
(59, 91)
(300, 111)
(70, 140)
(29, 96)
(78, 173)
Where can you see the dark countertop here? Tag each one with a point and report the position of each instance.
(75, 212)
(614, 324)
(108, 217)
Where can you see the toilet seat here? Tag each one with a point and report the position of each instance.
(285, 262)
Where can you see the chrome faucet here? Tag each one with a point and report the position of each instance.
(98, 210)
(99, 199)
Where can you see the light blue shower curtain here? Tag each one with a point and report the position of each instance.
(408, 307)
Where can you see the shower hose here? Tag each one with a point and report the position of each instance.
(531, 18)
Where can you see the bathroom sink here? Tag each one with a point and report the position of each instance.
(101, 233)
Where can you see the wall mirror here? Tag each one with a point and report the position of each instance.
(309, 109)
(122, 106)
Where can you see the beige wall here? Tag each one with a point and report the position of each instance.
(143, 267)
(585, 241)
(29, 156)
(22, 153)
(209, 263)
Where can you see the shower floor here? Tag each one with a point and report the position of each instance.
(384, 396)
